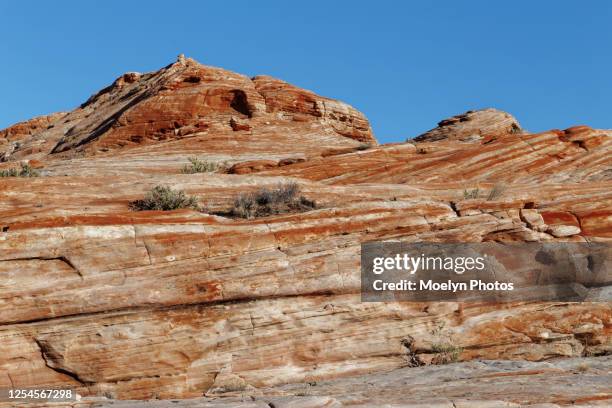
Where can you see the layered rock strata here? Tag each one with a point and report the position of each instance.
(187, 303)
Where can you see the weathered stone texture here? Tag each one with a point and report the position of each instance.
(186, 303)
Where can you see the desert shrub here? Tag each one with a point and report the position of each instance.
(516, 129)
(25, 171)
(471, 194)
(199, 166)
(496, 192)
(447, 353)
(165, 199)
(263, 202)
(9, 173)
(583, 367)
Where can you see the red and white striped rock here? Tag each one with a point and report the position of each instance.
(184, 303)
(561, 231)
(472, 126)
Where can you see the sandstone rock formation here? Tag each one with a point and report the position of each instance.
(186, 303)
(579, 382)
(11, 138)
(472, 126)
(186, 99)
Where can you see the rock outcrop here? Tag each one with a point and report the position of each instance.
(188, 303)
(579, 382)
(472, 126)
(11, 137)
(187, 99)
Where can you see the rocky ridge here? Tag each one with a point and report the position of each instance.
(181, 304)
(186, 99)
(472, 126)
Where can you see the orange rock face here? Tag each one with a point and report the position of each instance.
(186, 303)
(30, 127)
(11, 137)
(187, 99)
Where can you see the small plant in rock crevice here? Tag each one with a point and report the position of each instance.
(444, 347)
(471, 194)
(25, 171)
(201, 166)
(516, 129)
(496, 192)
(163, 198)
(583, 368)
(285, 198)
(447, 353)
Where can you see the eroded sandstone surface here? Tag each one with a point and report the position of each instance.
(579, 382)
(472, 126)
(188, 303)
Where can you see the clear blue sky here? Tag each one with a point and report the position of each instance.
(405, 64)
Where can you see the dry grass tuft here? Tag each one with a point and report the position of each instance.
(25, 171)
(201, 166)
(283, 199)
(163, 198)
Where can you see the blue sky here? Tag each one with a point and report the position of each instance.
(405, 64)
